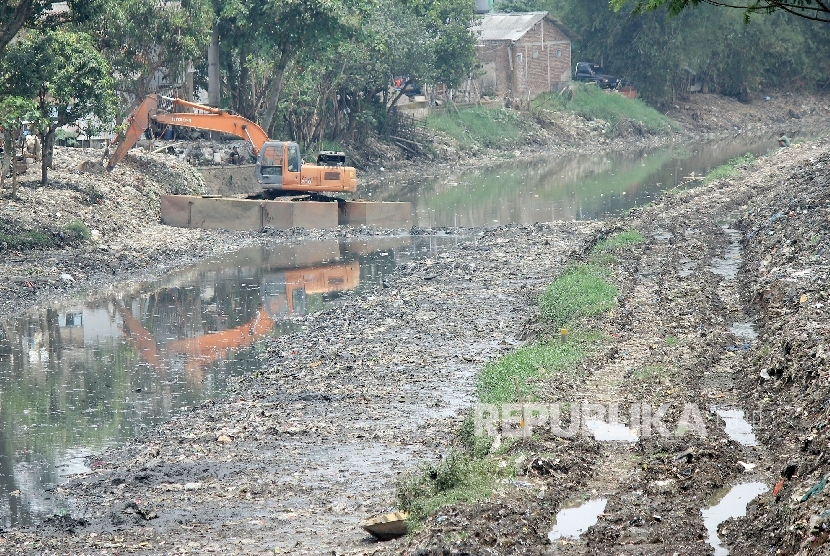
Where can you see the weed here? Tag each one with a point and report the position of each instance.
(580, 291)
(79, 229)
(601, 255)
(27, 240)
(730, 169)
(495, 383)
(590, 102)
(649, 373)
(496, 129)
(456, 478)
(672, 341)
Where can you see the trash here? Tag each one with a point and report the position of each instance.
(747, 466)
(818, 487)
(738, 347)
(386, 527)
(778, 486)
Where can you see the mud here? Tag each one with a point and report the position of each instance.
(298, 454)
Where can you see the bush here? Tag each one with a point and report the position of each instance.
(79, 229)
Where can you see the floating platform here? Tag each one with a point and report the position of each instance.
(214, 212)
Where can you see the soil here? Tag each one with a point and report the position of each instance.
(298, 454)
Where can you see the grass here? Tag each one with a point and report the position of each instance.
(672, 341)
(580, 291)
(602, 253)
(467, 474)
(79, 229)
(730, 169)
(496, 129)
(494, 384)
(591, 102)
(649, 373)
(27, 240)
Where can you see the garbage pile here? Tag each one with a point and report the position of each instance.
(82, 196)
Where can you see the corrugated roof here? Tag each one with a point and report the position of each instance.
(513, 26)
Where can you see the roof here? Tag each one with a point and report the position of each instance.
(513, 26)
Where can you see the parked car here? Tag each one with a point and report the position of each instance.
(594, 73)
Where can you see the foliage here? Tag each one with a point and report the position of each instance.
(80, 230)
(14, 111)
(580, 291)
(729, 170)
(16, 15)
(591, 102)
(27, 240)
(602, 253)
(458, 477)
(815, 10)
(479, 126)
(709, 49)
(151, 40)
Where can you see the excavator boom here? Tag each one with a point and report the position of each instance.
(279, 163)
(170, 111)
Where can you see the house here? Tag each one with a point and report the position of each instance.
(523, 54)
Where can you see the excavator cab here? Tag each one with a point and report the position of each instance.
(278, 164)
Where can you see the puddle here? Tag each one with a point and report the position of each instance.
(611, 431)
(662, 235)
(736, 426)
(726, 504)
(574, 520)
(744, 330)
(729, 265)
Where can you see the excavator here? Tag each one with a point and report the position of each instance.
(279, 164)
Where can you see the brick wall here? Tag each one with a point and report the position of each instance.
(539, 62)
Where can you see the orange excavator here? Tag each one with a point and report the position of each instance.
(279, 163)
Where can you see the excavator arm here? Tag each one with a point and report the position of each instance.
(170, 111)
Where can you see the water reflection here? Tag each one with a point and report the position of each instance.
(579, 187)
(78, 378)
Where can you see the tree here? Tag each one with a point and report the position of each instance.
(37, 14)
(14, 111)
(149, 43)
(815, 10)
(70, 80)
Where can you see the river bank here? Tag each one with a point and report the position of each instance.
(299, 454)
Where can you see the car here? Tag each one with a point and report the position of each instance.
(594, 73)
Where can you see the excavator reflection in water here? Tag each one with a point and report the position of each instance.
(283, 294)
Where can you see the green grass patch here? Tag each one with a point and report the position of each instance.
(602, 253)
(672, 341)
(27, 240)
(79, 229)
(458, 477)
(495, 383)
(649, 373)
(730, 169)
(591, 102)
(495, 129)
(580, 291)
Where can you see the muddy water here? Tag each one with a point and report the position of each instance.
(575, 518)
(94, 372)
(726, 504)
(585, 187)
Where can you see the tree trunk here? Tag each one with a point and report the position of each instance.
(275, 90)
(46, 149)
(214, 96)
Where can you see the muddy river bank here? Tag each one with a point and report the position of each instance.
(721, 307)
